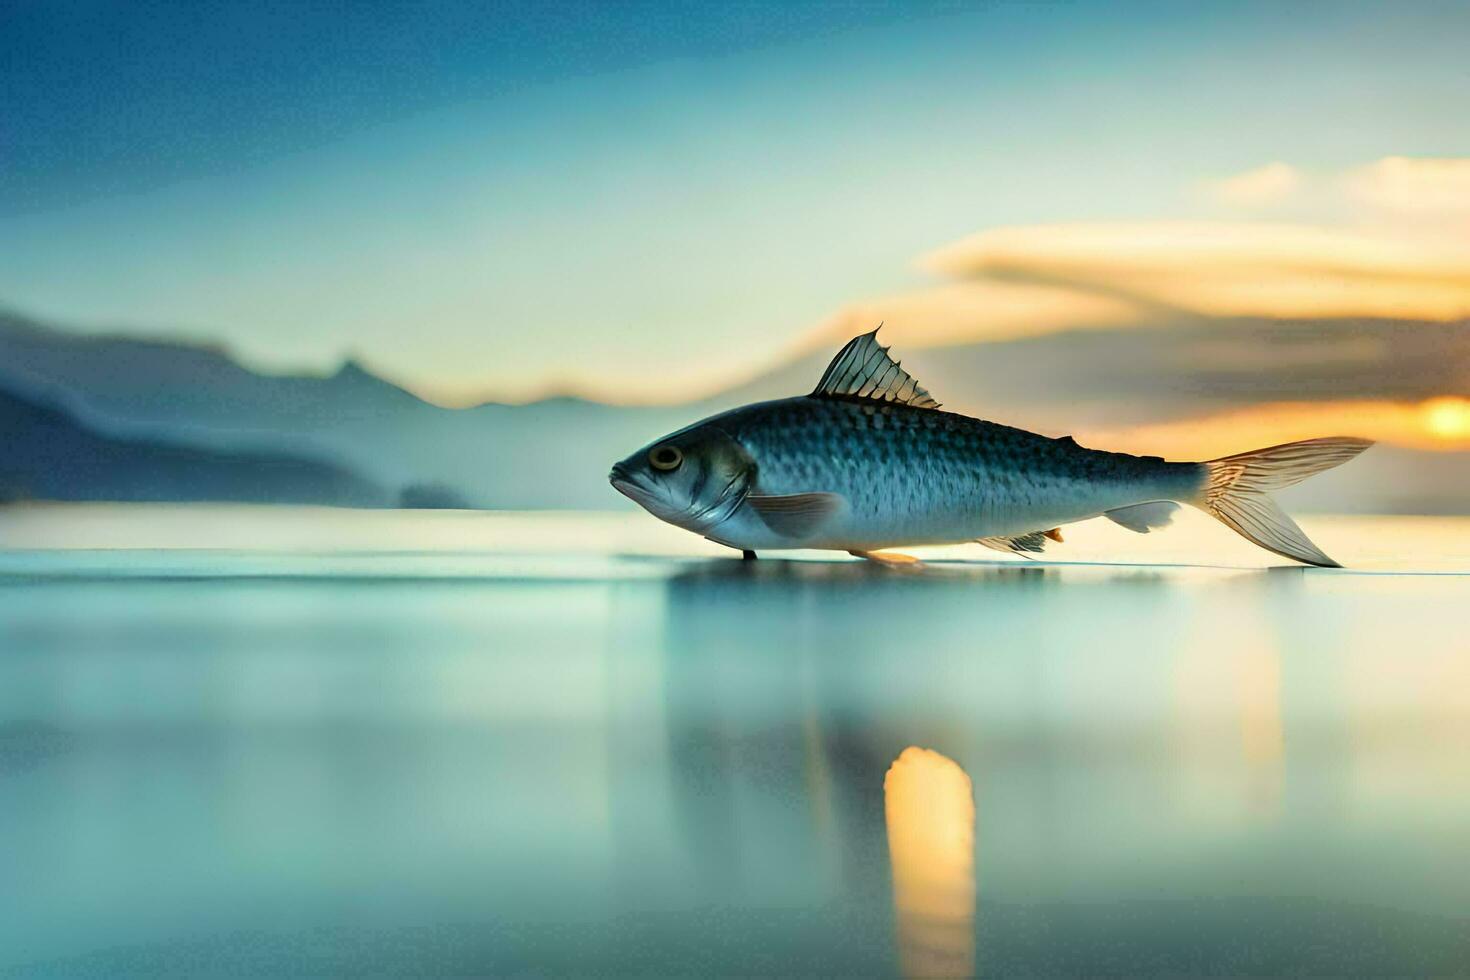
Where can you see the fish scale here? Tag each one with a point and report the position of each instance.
(924, 475)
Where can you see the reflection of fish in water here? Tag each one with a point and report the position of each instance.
(868, 461)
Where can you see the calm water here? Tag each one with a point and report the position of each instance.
(306, 742)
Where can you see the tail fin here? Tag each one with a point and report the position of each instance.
(1236, 487)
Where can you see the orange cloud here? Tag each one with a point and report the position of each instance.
(1229, 269)
(975, 310)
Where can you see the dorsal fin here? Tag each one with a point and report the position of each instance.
(863, 369)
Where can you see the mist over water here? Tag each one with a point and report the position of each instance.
(312, 741)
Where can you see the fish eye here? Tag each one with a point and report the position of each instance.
(665, 458)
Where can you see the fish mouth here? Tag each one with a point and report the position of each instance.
(625, 483)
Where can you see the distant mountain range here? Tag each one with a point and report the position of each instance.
(47, 455)
(107, 417)
(551, 454)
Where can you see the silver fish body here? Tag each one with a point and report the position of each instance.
(869, 461)
(910, 476)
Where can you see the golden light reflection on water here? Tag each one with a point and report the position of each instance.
(1229, 732)
(1263, 742)
(929, 806)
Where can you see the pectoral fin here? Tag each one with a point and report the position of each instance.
(795, 515)
(1144, 518)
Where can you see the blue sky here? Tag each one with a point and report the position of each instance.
(639, 196)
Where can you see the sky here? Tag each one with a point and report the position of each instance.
(648, 200)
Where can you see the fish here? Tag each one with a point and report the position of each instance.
(870, 461)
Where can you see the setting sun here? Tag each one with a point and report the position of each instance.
(1447, 418)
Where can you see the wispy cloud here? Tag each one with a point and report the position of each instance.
(973, 310)
(1230, 269)
(1424, 187)
(1397, 247)
(1263, 185)
(1419, 194)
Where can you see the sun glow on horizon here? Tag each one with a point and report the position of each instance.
(1448, 418)
(1439, 424)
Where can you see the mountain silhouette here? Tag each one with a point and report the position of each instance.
(45, 454)
(548, 454)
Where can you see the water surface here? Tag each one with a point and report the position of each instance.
(304, 741)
